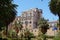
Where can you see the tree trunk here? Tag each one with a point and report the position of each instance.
(59, 21)
(6, 31)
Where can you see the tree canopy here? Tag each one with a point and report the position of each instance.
(7, 12)
(43, 24)
(54, 6)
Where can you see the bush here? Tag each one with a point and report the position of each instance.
(57, 37)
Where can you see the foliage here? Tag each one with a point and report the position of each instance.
(28, 35)
(12, 33)
(40, 37)
(55, 8)
(7, 12)
(57, 37)
(43, 25)
(18, 26)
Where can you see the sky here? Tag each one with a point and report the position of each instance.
(24, 5)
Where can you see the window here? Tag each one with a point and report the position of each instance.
(36, 23)
(30, 22)
(26, 22)
(35, 30)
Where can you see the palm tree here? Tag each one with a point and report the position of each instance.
(55, 8)
(7, 13)
(43, 26)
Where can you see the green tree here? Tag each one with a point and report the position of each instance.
(18, 26)
(12, 33)
(57, 37)
(43, 26)
(28, 35)
(7, 13)
(54, 6)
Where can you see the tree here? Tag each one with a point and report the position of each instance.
(12, 33)
(28, 35)
(43, 26)
(57, 37)
(55, 8)
(7, 13)
(18, 26)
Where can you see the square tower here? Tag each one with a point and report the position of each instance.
(30, 17)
